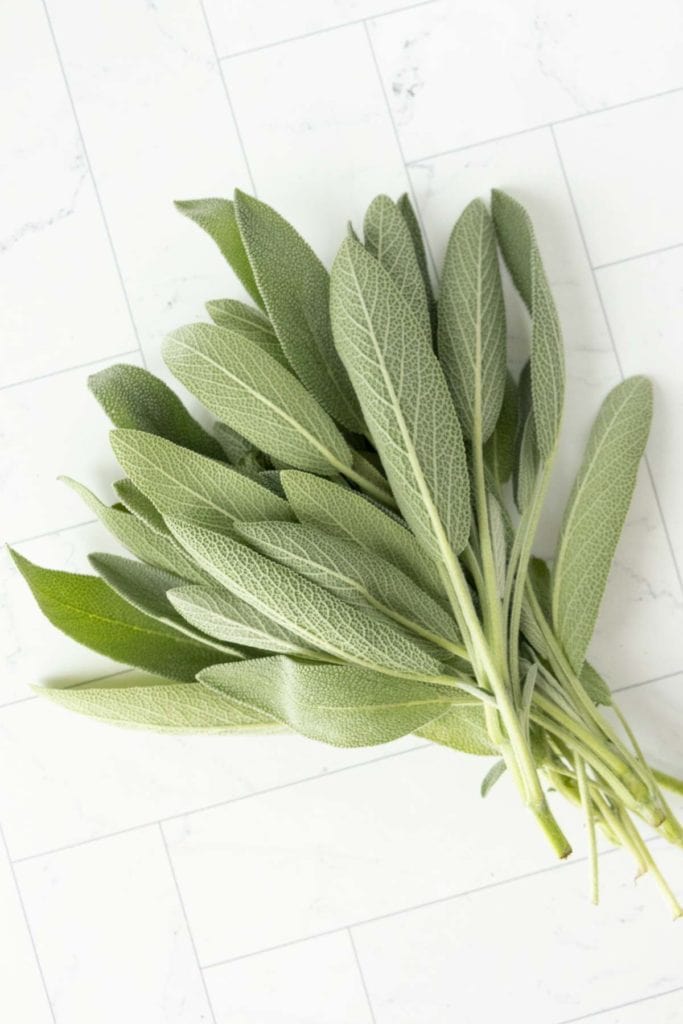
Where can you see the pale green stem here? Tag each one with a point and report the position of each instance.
(587, 803)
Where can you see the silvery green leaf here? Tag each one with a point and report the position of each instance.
(527, 468)
(135, 501)
(347, 514)
(146, 588)
(249, 322)
(520, 250)
(499, 451)
(404, 397)
(140, 701)
(388, 238)
(596, 512)
(360, 576)
(92, 614)
(234, 446)
(226, 617)
(410, 217)
(160, 550)
(295, 289)
(251, 392)
(461, 728)
(319, 618)
(491, 777)
(135, 399)
(217, 218)
(342, 705)
(498, 543)
(539, 579)
(594, 685)
(472, 347)
(180, 482)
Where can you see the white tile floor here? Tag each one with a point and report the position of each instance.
(167, 879)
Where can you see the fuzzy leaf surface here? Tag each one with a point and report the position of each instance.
(408, 213)
(461, 728)
(217, 218)
(472, 345)
(251, 392)
(91, 613)
(499, 451)
(136, 503)
(388, 238)
(596, 512)
(405, 399)
(342, 705)
(242, 319)
(295, 289)
(321, 619)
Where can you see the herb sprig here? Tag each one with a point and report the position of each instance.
(341, 555)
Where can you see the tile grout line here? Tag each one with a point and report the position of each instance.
(541, 125)
(323, 31)
(437, 901)
(96, 190)
(622, 1006)
(639, 256)
(219, 804)
(67, 369)
(646, 682)
(24, 913)
(51, 533)
(615, 348)
(362, 976)
(399, 146)
(226, 91)
(187, 922)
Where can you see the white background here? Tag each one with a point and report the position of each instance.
(249, 881)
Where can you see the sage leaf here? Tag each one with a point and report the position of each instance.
(520, 251)
(362, 577)
(410, 217)
(226, 617)
(499, 451)
(498, 543)
(596, 512)
(348, 514)
(461, 728)
(295, 289)
(594, 685)
(217, 218)
(404, 397)
(180, 482)
(146, 588)
(91, 613)
(251, 392)
(135, 501)
(341, 705)
(242, 319)
(160, 550)
(472, 347)
(135, 399)
(148, 702)
(388, 238)
(492, 776)
(527, 469)
(313, 614)
(234, 446)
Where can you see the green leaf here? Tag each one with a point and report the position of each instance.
(226, 617)
(527, 468)
(594, 685)
(492, 776)
(256, 396)
(160, 550)
(295, 289)
(137, 701)
(135, 501)
(472, 348)
(248, 322)
(596, 512)
(520, 250)
(338, 704)
(498, 543)
(321, 619)
(217, 218)
(89, 611)
(388, 238)
(348, 514)
(362, 577)
(235, 447)
(146, 588)
(410, 217)
(181, 483)
(499, 451)
(404, 397)
(135, 399)
(461, 728)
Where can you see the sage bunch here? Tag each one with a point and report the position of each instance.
(348, 553)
